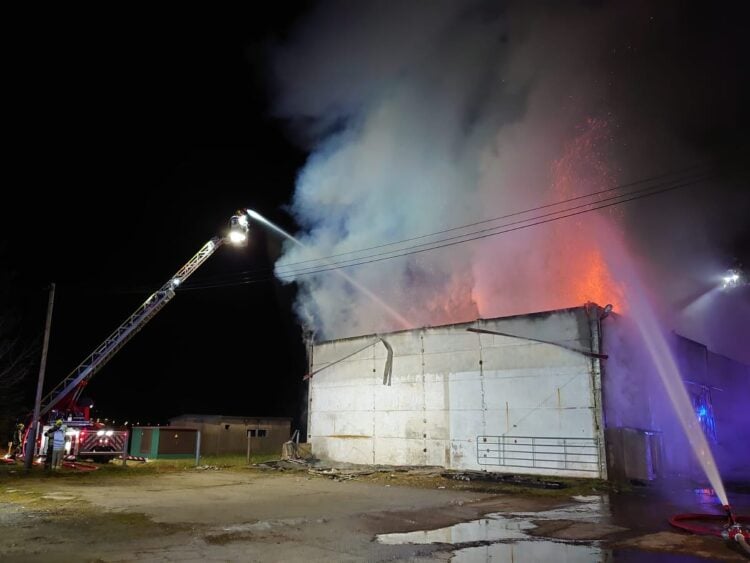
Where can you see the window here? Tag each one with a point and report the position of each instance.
(251, 433)
(261, 433)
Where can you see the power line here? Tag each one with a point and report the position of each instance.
(693, 170)
(514, 214)
(448, 242)
(289, 275)
(469, 236)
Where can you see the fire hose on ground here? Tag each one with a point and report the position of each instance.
(735, 527)
(77, 465)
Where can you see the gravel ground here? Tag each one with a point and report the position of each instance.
(251, 515)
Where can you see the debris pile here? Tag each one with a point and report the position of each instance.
(510, 479)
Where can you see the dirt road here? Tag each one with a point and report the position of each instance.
(271, 516)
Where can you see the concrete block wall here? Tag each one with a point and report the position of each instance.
(451, 389)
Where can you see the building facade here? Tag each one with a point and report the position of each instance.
(162, 442)
(231, 435)
(523, 394)
(526, 399)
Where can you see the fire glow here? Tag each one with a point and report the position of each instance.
(583, 169)
(568, 266)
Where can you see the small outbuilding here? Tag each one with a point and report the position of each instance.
(226, 435)
(163, 442)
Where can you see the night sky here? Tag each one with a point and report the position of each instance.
(135, 139)
(140, 140)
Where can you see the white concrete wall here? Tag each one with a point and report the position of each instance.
(456, 395)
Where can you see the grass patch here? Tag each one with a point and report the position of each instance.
(15, 475)
(10, 474)
(22, 496)
(582, 487)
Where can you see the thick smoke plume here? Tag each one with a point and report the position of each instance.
(424, 116)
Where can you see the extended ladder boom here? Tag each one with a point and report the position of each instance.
(72, 385)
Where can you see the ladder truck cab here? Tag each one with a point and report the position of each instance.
(93, 440)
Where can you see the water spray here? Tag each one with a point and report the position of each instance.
(403, 322)
(727, 525)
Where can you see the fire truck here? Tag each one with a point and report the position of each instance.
(87, 439)
(90, 440)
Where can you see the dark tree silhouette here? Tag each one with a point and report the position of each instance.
(19, 354)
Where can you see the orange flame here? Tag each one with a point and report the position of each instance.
(559, 265)
(583, 169)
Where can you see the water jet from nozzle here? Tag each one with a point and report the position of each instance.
(403, 322)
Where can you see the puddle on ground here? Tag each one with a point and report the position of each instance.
(585, 509)
(494, 527)
(504, 538)
(546, 551)
(507, 542)
(532, 551)
(501, 526)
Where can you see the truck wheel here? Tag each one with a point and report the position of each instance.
(103, 458)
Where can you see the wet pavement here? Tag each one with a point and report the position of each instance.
(587, 530)
(259, 516)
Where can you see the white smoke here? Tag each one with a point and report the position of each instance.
(422, 116)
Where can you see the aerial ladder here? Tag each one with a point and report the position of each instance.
(63, 400)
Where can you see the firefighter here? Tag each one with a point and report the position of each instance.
(55, 445)
(16, 439)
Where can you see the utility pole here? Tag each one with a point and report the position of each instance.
(31, 439)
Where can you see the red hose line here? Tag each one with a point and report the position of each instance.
(69, 464)
(682, 521)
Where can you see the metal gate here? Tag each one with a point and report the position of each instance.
(561, 453)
